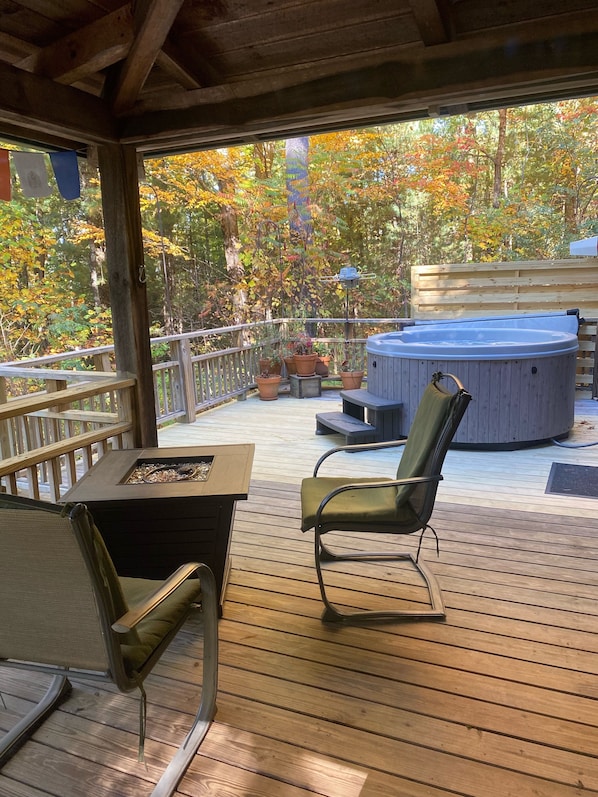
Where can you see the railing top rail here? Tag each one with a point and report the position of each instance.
(26, 404)
(31, 372)
(48, 359)
(204, 333)
(55, 358)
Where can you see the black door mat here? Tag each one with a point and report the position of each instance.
(579, 480)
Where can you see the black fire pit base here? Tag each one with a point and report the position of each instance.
(151, 529)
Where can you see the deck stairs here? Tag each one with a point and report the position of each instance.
(365, 418)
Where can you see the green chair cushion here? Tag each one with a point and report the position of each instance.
(118, 602)
(159, 623)
(375, 506)
(432, 413)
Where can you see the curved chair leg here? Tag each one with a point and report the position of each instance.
(332, 614)
(177, 767)
(59, 688)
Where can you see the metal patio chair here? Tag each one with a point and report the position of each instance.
(64, 611)
(402, 505)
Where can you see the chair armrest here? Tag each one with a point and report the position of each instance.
(369, 485)
(135, 614)
(358, 447)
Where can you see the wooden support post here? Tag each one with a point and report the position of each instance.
(185, 390)
(6, 448)
(126, 278)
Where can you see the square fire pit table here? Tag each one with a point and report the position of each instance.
(152, 528)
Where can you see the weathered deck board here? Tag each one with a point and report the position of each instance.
(500, 699)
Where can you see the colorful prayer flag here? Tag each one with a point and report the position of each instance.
(33, 176)
(4, 175)
(66, 171)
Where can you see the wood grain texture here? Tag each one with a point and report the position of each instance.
(498, 700)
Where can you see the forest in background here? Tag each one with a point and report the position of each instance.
(248, 233)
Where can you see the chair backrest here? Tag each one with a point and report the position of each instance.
(59, 592)
(436, 421)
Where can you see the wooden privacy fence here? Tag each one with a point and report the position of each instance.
(470, 290)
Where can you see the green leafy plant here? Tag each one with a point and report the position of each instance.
(303, 344)
(321, 349)
(352, 362)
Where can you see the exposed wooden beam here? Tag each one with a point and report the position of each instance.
(12, 49)
(153, 20)
(441, 78)
(41, 105)
(171, 62)
(430, 20)
(86, 51)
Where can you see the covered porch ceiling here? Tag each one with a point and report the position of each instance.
(156, 77)
(172, 75)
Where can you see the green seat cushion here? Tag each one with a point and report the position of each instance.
(160, 622)
(118, 601)
(433, 410)
(353, 506)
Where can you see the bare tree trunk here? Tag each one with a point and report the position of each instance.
(234, 267)
(172, 323)
(263, 158)
(499, 157)
(96, 257)
(300, 221)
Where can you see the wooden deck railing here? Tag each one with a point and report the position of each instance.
(50, 437)
(59, 413)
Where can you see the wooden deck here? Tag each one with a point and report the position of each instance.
(499, 700)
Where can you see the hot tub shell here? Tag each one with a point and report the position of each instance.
(522, 379)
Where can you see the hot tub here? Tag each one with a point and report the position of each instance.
(521, 376)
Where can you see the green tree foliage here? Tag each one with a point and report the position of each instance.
(45, 284)
(519, 183)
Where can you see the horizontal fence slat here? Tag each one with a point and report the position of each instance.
(471, 290)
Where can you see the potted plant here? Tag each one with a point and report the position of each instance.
(289, 358)
(351, 373)
(270, 361)
(304, 356)
(324, 357)
(267, 385)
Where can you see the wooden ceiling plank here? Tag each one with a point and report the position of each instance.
(153, 20)
(86, 51)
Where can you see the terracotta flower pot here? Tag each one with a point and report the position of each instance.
(267, 365)
(268, 387)
(351, 379)
(305, 364)
(322, 364)
(290, 365)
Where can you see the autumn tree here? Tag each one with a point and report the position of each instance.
(226, 241)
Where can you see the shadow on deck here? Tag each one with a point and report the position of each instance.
(498, 700)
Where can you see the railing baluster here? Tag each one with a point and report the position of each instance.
(196, 377)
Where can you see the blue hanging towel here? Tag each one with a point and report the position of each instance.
(66, 171)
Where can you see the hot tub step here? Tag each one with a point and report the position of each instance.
(354, 430)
